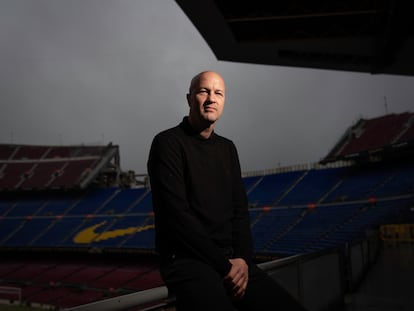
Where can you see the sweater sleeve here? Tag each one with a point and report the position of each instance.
(178, 228)
(242, 237)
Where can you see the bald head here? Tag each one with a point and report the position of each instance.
(195, 81)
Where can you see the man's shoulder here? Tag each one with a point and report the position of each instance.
(224, 140)
(168, 138)
(170, 132)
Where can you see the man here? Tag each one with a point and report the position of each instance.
(201, 213)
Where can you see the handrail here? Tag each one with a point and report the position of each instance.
(124, 302)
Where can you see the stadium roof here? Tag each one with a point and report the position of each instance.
(348, 35)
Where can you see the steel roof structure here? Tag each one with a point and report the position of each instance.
(370, 36)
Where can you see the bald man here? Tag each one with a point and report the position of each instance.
(201, 213)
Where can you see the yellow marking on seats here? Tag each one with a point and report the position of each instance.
(89, 235)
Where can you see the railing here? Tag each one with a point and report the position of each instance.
(318, 280)
(157, 297)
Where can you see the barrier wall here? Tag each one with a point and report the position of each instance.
(360, 256)
(300, 275)
(319, 280)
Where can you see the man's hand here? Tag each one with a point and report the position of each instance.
(236, 280)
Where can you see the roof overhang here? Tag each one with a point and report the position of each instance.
(359, 35)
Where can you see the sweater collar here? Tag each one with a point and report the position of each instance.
(186, 126)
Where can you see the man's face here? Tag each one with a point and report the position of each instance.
(206, 99)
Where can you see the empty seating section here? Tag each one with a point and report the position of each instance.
(72, 173)
(408, 135)
(360, 184)
(122, 201)
(64, 297)
(371, 215)
(13, 174)
(305, 235)
(57, 272)
(150, 277)
(57, 232)
(249, 182)
(25, 234)
(87, 275)
(58, 205)
(26, 272)
(144, 205)
(7, 268)
(65, 152)
(271, 187)
(312, 187)
(377, 133)
(270, 224)
(117, 277)
(8, 226)
(29, 152)
(5, 206)
(123, 218)
(334, 225)
(400, 182)
(69, 282)
(25, 208)
(6, 151)
(92, 201)
(42, 174)
(42, 167)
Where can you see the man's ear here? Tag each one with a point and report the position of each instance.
(188, 98)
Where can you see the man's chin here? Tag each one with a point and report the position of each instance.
(210, 121)
(210, 118)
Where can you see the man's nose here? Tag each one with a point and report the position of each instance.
(211, 97)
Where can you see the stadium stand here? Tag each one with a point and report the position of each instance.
(66, 242)
(373, 136)
(24, 167)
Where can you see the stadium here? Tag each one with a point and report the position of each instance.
(77, 232)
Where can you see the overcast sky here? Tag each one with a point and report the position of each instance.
(100, 71)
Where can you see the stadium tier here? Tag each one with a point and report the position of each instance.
(378, 136)
(282, 203)
(25, 167)
(65, 282)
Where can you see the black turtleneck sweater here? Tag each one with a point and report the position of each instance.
(199, 200)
